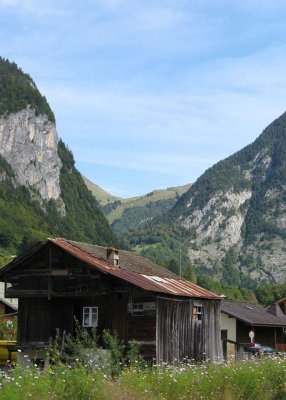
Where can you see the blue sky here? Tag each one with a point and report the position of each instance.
(148, 94)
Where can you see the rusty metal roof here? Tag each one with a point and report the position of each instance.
(134, 269)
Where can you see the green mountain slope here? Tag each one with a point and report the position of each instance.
(130, 213)
(264, 159)
(100, 194)
(233, 218)
(83, 220)
(25, 217)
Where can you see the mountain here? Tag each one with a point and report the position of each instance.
(232, 221)
(41, 191)
(130, 213)
(100, 194)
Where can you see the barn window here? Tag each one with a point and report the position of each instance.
(137, 309)
(141, 308)
(90, 317)
(197, 312)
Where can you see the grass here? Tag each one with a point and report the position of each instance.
(61, 383)
(100, 194)
(264, 379)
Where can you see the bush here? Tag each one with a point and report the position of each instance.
(8, 329)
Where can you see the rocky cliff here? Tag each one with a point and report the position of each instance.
(29, 143)
(239, 206)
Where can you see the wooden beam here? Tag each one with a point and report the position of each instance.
(53, 272)
(35, 292)
(27, 274)
(59, 272)
(50, 268)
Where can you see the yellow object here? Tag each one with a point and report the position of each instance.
(8, 349)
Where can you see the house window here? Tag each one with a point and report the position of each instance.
(90, 317)
(197, 312)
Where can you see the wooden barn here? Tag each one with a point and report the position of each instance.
(60, 281)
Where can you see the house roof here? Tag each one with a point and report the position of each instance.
(252, 314)
(280, 301)
(134, 269)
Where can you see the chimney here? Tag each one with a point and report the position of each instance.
(112, 256)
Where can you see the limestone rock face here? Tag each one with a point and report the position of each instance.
(218, 226)
(29, 143)
(220, 219)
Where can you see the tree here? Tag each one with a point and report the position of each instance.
(190, 273)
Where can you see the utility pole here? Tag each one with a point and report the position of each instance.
(180, 255)
(180, 265)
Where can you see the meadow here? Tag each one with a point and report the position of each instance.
(263, 379)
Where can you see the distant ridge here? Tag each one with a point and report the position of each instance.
(100, 194)
(130, 213)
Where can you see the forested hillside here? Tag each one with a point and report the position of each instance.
(83, 220)
(24, 219)
(18, 90)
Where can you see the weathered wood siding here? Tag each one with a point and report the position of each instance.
(142, 329)
(179, 335)
(39, 320)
